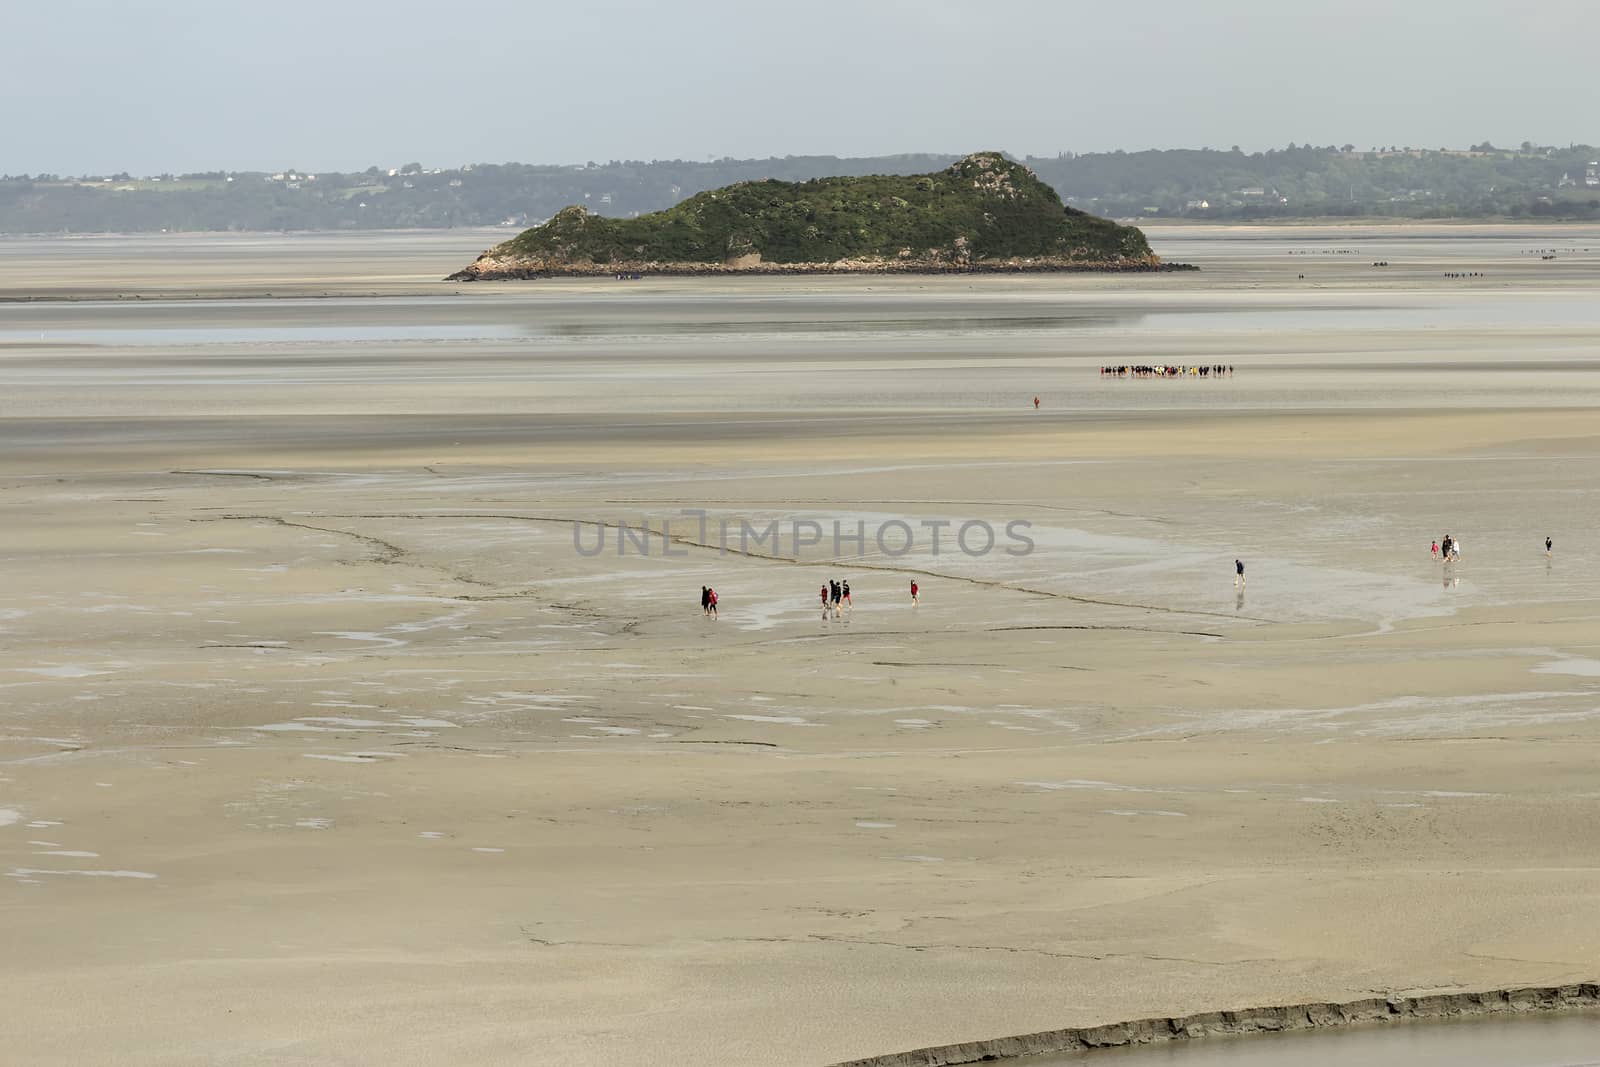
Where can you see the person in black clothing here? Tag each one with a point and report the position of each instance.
(705, 600)
(1238, 574)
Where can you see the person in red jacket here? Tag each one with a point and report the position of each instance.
(913, 592)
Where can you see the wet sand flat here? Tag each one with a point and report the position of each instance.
(321, 739)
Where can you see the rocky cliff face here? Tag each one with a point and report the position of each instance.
(985, 213)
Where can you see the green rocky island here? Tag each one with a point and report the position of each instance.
(983, 213)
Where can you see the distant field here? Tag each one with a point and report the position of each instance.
(139, 185)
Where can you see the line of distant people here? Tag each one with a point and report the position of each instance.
(1447, 274)
(1212, 370)
(1449, 549)
(837, 602)
(835, 596)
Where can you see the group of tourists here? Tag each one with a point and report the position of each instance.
(1213, 370)
(1449, 549)
(836, 595)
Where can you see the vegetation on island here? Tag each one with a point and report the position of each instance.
(982, 209)
(1296, 182)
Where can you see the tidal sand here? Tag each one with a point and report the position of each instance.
(320, 741)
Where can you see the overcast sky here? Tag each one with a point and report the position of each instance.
(184, 85)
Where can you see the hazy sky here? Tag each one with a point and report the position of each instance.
(183, 85)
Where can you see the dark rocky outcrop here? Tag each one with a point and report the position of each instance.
(984, 214)
(1247, 1021)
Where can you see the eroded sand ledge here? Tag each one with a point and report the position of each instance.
(1246, 1021)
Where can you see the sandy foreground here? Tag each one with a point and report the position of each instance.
(321, 743)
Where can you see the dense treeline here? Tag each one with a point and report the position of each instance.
(1297, 181)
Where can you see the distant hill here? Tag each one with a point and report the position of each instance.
(514, 195)
(1297, 182)
(983, 212)
(1309, 182)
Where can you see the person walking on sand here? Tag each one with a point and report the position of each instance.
(848, 603)
(1036, 403)
(711, 602)
(824, 601)
(837, 594)
(705, 600)
(1435, 549)
(1238, 574)
(914, 592)
(1547, 546)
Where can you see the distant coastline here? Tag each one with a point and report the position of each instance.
(1286, 222)
(1530, 183)
(1397, 222)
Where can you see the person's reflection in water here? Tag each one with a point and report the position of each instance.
(1238, 599)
